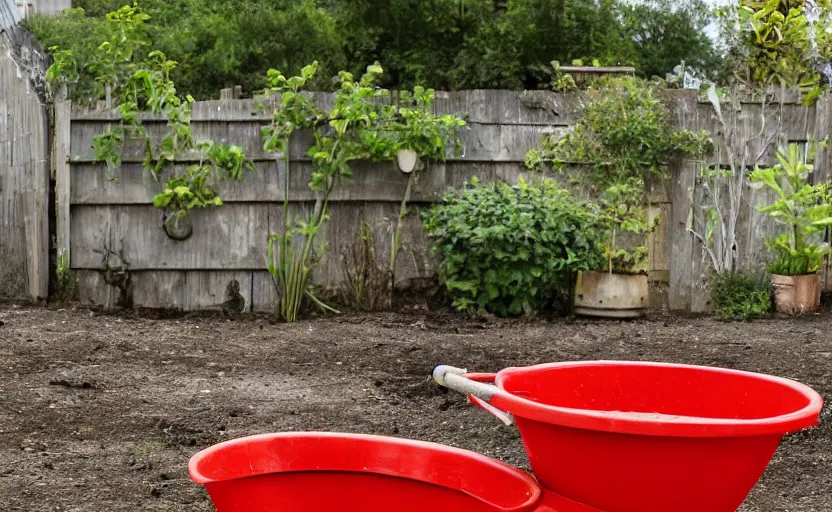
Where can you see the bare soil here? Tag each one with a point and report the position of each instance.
(101, 413)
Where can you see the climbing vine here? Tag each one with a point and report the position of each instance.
(141, 86)
(362, 125)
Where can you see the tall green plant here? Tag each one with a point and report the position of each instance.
(427, 134)
(805, 210)
(289, 252)
(362, 125)
(624, 132)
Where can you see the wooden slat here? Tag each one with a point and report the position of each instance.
(485, 107)
(479, 107)
(823, 164)
(230, 237)
(371, 182)
(37, 229)
(490, 143)
(659, 256)
(188, 291)
(24, 174)
(62, 175)
(681, 256)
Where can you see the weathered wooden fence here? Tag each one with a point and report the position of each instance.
(112, 223)
(109, 227)
(24, 169)
(759, 130)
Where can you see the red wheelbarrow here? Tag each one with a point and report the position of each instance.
(317, 472)
(643, 437)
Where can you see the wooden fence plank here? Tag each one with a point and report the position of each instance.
(230, 237)
(371, 182)
(488, 143)
(480, 107)
(37, 230)
(823, 165)
(63, 179)
(188, 291)
(681, 256)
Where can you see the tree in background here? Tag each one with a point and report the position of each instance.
(515, 48)
(665, 32)
(444, 44)
(216, 43)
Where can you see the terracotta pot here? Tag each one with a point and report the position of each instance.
(602, 294)
(794, 295)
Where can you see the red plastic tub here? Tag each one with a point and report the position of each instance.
(316, 472)
(644, 437)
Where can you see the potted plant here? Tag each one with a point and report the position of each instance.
(620, 289)
(805, 210)
(194, 189)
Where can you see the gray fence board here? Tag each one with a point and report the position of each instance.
(371, 182)
(24, 170)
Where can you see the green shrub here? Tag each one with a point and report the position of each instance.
(740, 295)
(804, 210)
(512, 250)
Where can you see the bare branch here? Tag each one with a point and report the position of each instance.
(708, 250)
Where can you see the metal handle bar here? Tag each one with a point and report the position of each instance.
(479, 393)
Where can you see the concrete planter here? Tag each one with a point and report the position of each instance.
(794, 295)
(602, 294)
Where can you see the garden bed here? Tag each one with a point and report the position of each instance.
(101, 413)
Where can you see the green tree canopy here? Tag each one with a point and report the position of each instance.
(444, 44)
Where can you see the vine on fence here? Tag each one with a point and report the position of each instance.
(142, 85)
(362, 125)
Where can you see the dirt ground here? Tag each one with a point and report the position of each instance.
(101, 413)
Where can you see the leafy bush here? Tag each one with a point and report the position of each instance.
(782, 43)
(217, 43)
(512, 250)
(740, 295)
(624, 132)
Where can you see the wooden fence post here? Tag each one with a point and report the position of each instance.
(823, 123)
(63, 124)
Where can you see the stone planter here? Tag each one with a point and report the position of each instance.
(602, 294)
(794, 295)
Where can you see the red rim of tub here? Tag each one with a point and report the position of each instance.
(652, 424)
(443, 466)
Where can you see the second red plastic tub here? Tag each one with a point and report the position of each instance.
(644, 437)
(316, 472)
